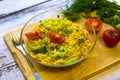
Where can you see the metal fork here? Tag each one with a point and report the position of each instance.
(15, 37)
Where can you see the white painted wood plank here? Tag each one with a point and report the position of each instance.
(9, 6)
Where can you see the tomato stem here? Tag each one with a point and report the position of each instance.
(112, 33)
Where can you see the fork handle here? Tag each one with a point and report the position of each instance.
(25, 68)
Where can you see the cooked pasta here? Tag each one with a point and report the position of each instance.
(61, 42)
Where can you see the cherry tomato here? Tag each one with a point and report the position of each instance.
(56, 38)
(33, 35)
(95, 22)
(111, 37)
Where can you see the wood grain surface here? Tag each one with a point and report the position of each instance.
(101, 58)
(18, 56)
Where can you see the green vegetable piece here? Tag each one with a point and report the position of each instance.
(52, 24)
(54, 54)
(72, 60)
(41, 49)
(118, 27)
(66, 32)
(31, 46)
(37, 49)
(62, 52)
(80, 41)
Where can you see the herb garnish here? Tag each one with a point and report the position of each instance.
(71, 16)
(109, 12)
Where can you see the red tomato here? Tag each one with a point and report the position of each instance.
(111, 37)
(56, 38)
(95, 22)
(33, 35)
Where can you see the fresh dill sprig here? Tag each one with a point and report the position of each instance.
(71, 16)
(105, 10)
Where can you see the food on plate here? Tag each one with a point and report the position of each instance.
(34, 35)
(56, 38)
(111, 37)
(58, 41)
(96, 23)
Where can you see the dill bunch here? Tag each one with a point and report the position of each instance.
(109, 12)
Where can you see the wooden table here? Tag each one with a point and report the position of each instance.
(9, 70)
